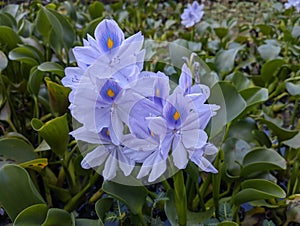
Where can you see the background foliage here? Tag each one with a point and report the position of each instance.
(252, 60)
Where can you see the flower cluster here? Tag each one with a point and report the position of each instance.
(192, 14)
(293, 3)
(130, 116)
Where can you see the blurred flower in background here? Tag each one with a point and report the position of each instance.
(192, 14)
(293, 3)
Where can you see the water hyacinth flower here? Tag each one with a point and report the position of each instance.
(124, 56)
(293, 3)
(192, 14)
(131, 115)
(113, 155)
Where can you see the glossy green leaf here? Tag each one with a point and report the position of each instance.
(56, 217)
(234, 152)
(52, 67)
(102, 206)
(254, 95)
(281, 133)
(293, 142)
(96, 9)
(133, 196)
(8, 39)
(14, 150)
(231, 105)
(243, 129)
(292, 88)
(58, 97)
(269, 69)
(239, 80)
(257, 189)
(17, 190)
(225, 59)
(87, 222)
(50, 21)
(268, 51)
(3, 61)
(11, 9)
(25, 55)
(55, 132)
(262, 159)
(34, 81)
(8, 20)
(32, 216)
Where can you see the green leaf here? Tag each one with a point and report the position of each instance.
(17, 190)
(11, 9)
(254, 95)
(294, 142)
(224, 60)
(8, 39)
(96, 9)
(49, 21)
(257, 189)
(281, 133)
(292, 88)
(34, 81)
(270, 69)
(58, 217)
(32, 216)
(14, 150)
(87, 222)
(239, 80)
(221, 32)
(3, 61)
(55, 132)
(58, 97)
(231, 105)
(133, 196)
(262, 159)
(102, 206)
(25, 55)
(234, 152)
(52, 67)
(268, 51)
(8, 20)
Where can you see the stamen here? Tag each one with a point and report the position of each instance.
(157, 92)
(110, 43)
(176, 115)
(152, 134)
(110, 93)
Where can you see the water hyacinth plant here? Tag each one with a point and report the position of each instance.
(149, 113)
(103, 103)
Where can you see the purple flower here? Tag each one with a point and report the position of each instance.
(113, 155)
(192, 14)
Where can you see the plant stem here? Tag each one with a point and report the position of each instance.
(180, 198)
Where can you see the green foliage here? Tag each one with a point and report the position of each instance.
(251, 64)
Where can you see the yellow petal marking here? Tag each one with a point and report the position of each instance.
(152, 134)
(157, 92)
(176, 115)
(107, 133)
(110, 43)
(110, 93)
